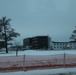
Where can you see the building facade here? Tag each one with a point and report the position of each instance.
(38, 42)
(63, 45)
(44, 42)
(27, 43)
(2, 44)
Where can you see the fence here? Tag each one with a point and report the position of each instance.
(30, 62)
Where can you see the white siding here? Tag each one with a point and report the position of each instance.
(63, 45)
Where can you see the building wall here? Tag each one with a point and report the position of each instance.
(63, 45)
(38, 42)
(44, 42)
(2, 44)
(27, 42)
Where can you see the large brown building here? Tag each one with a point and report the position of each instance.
(38, 42)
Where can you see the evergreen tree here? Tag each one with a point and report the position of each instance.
(73, 36)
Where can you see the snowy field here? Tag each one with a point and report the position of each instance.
(42, 72)
(37, 52)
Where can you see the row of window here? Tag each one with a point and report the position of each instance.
(58, 47)
(64, 47)
(64, 43)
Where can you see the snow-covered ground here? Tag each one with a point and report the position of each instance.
(44, 72)
(37, 52)
(40, 72)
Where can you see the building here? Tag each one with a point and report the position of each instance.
(27, 43)
(2, 44)
(38, 42)
(63, 45)
(44, 42)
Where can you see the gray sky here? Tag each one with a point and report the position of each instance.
(56, 18)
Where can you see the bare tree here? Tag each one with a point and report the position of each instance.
(17, 45)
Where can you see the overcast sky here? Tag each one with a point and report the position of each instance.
(56, 18)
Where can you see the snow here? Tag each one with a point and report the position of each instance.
(42, 72)
(39, 53)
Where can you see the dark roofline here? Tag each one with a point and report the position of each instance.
(40, 36)
(36, 36)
